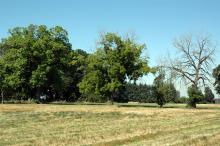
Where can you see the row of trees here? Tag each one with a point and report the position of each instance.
(165, 91)
(38, 63)
(149, 94)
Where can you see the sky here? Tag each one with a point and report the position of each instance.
(154, 22)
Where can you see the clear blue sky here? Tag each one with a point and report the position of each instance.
(155, 22)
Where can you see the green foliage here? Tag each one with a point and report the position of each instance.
(160, 89)
(195, 95)
(169, 91)
(165, 89)
(37, 61)
(140, 93)
(208, 96)
(115, 60)
(92, 85)
(149, 93)
(216, 75)
(182, 100)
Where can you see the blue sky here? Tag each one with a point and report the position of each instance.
(155, 22)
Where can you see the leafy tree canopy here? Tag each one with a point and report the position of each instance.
(195, 95)
(34, 60)
(116, 60)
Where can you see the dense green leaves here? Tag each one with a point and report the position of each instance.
(140, 93)
(208, 96)
(160, 89)
(195, 95)
(38, 63)
(164, 90)
(35, 61)
(115, 60)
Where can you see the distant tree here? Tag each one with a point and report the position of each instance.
(115, 60)
(165, 88)
(170, 92)
(216, 75)
(209, 96)
(194, 61)
(182, 100)
(195, 95)
(140, 93)
(160, 89)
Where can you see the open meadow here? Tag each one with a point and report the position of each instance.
(108, 125)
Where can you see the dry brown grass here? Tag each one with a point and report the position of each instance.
(108, 125)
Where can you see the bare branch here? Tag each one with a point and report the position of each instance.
(195, 60)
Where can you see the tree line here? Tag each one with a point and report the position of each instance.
(39, 63)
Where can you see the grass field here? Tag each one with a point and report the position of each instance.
(108, 125)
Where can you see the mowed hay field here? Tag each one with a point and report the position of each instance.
(108, 125)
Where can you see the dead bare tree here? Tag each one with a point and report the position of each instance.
(194, 59)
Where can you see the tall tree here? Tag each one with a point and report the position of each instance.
(194, 61)
(116, 60)
(74, 74)
(35, 61)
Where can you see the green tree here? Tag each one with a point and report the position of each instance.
(195, 95)
(115, 60)
(182, 100)
(170, 92)
(35, 61)
(208, 96)
(74, 74)
(140, 93)
(165, 90)
(160, 89)
(1, 84)
(216, 75)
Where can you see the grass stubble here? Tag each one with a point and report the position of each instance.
(108, 125)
